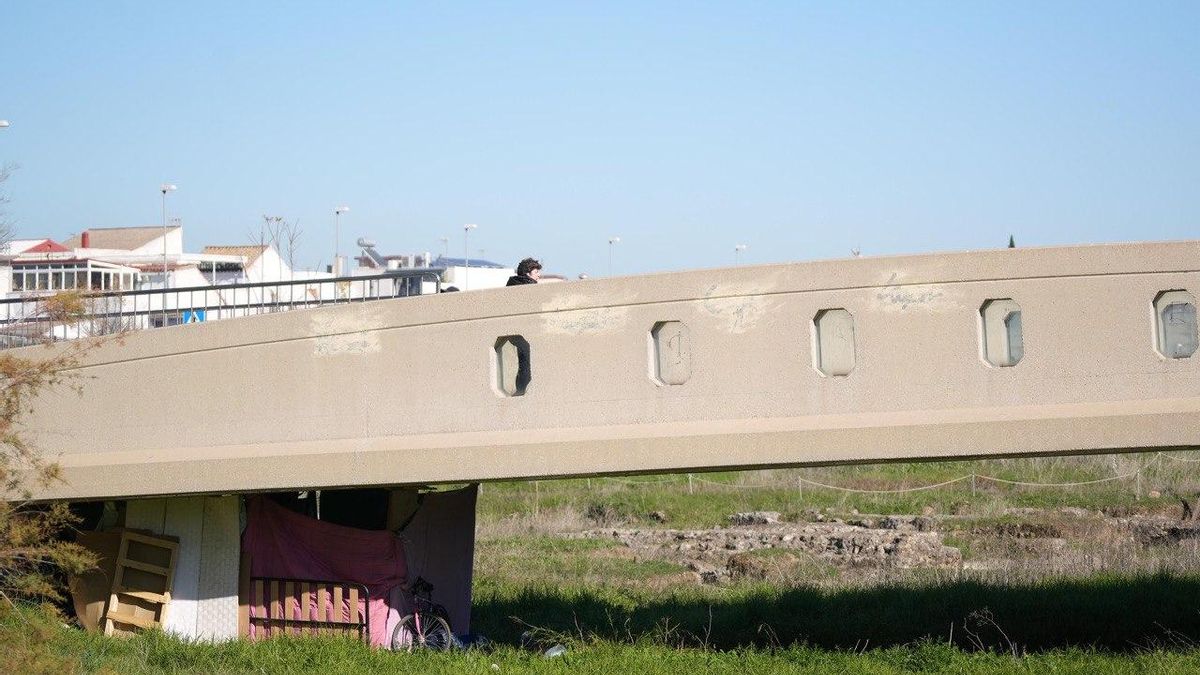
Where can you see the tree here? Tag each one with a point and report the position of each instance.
(31, 547)
(5, 226)
(290, 235)
(283, 236)
(33, 553)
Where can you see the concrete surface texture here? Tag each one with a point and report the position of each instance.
(668, 372)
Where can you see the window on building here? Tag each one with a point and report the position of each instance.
(1175, 324)
(171, 319)
(1001, 334)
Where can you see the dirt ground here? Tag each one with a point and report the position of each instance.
(825, 549)
(1063, 541)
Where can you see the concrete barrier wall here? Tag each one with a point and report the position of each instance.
(413, 390)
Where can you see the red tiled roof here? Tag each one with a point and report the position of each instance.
(47, 246)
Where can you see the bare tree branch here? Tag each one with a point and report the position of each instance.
(6, 227)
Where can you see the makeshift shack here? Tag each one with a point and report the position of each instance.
(264, 565)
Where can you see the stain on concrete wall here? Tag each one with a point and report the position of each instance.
(586, 321)
(738, 309)
(894, 296)
(337, 334)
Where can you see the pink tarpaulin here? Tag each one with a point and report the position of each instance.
(282, 543)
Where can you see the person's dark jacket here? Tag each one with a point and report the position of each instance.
(520, 280)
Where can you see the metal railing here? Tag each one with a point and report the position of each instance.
(25, 321)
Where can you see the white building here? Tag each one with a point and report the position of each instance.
(140, 277)
(462, 274)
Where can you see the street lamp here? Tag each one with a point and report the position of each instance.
(337, 235)
(4, 124)
(165, 188)
(611, 241)
(467, 254)
(737, 253)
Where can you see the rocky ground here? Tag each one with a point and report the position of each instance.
(759, 546)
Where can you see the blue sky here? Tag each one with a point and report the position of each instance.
(799, 129)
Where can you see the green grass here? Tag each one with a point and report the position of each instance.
(32, 642)
(965, 545)
(1109, 612)
(711, 497)
(562, 561)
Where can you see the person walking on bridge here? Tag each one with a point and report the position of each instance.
(529, 271)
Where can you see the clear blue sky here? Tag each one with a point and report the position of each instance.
(800, 129)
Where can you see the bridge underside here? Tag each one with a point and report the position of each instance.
(735, 444)
(865, 360)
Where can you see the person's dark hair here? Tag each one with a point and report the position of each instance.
(528, 265)
(449, 289)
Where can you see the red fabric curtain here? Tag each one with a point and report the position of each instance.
(282, 543)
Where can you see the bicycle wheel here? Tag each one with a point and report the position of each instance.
(434, 634)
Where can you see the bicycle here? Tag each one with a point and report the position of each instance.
(428, 627)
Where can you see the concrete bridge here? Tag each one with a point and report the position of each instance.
(994, 353)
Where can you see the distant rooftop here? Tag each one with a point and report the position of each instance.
(250, 253)
(441, 261)
(118, 238)
(19, 246)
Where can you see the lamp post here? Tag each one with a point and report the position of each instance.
(737, 253)
(467, 253)
(611, 241)
(165, 188)
(337, 235)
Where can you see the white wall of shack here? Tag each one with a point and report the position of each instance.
(204, 599)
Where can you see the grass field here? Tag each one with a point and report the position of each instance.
(34, 642)
(1113, 612)
(708, 499)
(1113, 606)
